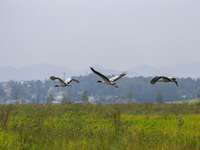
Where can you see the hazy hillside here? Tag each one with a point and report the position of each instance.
(185, 69)
(39, 71)
(43, 71)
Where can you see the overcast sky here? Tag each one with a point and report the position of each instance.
(116, 34)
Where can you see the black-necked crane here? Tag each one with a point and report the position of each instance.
(63, 83)
(163, 79)
(107, 81)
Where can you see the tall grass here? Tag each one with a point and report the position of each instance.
(4, 115)
(96, 126)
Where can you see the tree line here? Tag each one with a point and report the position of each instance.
(136, 89)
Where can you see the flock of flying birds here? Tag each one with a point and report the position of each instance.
(112, 80)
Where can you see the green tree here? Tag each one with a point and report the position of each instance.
(159, 97)
(198, 97)
(66, 99)
(130, 97)
(50, 98)
(16, 96)
(84, 97)
(2, 92)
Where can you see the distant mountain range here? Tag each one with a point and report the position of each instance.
(44, 71)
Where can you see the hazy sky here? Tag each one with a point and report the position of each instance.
(116, 34)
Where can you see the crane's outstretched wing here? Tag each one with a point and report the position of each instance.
(156, 78)
(53, 77)
(99, 74)
(68, 80)
(176, 83)
(60, 80)
(165, 79)
(75, 80)
(115, 78)
(174, 80)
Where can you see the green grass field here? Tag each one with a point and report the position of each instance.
(97, 126)
(190, 101)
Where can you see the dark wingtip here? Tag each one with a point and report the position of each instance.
(125, 73)
(77, 81)
(52, 77)
(152, 82)
(91, 68)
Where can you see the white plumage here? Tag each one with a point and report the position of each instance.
(107, 81)
(163, 79)
(63, 83)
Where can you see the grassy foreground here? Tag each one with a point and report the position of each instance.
(190, 101)
(91, 127)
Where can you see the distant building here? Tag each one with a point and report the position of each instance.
(91, 99)
(56, 102)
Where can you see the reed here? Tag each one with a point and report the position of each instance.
(97, 126)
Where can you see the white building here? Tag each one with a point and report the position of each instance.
(91, 99)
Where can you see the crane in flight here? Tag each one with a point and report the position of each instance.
(63, 83)
(163, 79)
(107, 81)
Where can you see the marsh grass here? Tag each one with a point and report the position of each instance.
(4, 115)
(96, 126)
